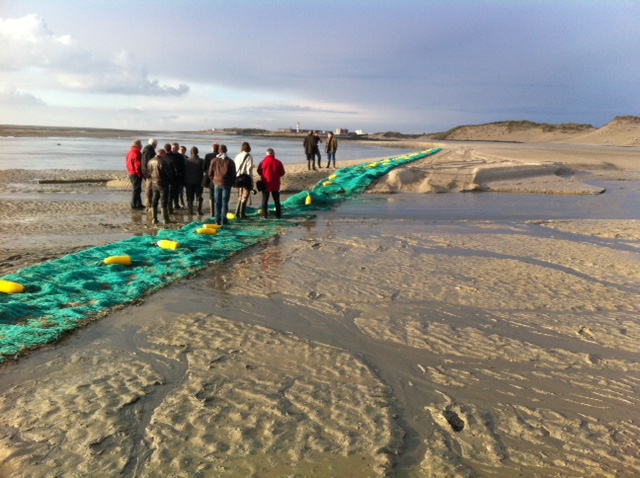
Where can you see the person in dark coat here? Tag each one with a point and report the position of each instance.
(309, 150)
(193, 170)
(178, 169)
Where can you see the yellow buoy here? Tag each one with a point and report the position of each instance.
(327, 183)
(8, 287)
(212, 226)
(231, 216)
(166, 244)
(120, 260)
(332, 177)
(207, 230)
(308, 200)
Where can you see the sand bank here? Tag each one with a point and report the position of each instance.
(347, 347)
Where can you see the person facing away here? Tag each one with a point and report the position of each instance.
(316, 148)
(170, 162)
(161, 176)
(331, 148)
(183, 152)
(244, 179)
(271, 170)
(222, 172)
(134, 168)
(148, 152)
(309, 150)
(178, 169)
(206, 180)
(193, 170)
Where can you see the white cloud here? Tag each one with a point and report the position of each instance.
(10, 96)
(27, 43)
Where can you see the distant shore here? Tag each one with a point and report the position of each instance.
(621, 131)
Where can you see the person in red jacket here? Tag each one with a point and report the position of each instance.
(271, 170)
(134, 168)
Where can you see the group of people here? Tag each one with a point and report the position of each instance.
(168, 173)
(312, 149)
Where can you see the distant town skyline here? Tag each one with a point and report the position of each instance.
(413, 66)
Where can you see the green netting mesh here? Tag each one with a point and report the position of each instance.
(62, 294)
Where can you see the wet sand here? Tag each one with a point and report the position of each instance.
(349, 346)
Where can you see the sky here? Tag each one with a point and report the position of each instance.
(412, 66)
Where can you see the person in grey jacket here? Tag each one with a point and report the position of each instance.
(193, 170)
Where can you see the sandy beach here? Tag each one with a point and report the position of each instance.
(351, 345)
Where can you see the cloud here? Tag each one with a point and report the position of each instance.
(296, 109)
(10, 96)
(27, 43)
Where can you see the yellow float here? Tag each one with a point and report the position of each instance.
(231, 216)
(209, 231)
(308, 200)
(120, 260)
(9, 287)
(327, 183)
(212, 226)
(166, 244)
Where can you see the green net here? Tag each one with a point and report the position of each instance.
(68, 292)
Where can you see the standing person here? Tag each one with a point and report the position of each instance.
(206, 180)
(170, 170)
(316, 148)
(271, 170)
(244, 179)
(134, 168)
(161, 176)
(330, 149)
(183, 151)
(309, 150)
(222, 172)
(178, 169)
(148, 152)
(193, 170)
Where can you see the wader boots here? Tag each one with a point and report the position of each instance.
(165, 216)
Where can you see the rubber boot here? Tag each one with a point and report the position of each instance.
(243, 210)
(190, 207)
(200, 201)
(238, 209)
(213, 208)
(165, 216)
(154, 215)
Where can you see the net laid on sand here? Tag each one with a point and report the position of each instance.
(65, 293)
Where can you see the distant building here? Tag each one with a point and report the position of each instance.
(361, 132)
(298, 127)
(342, 131)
